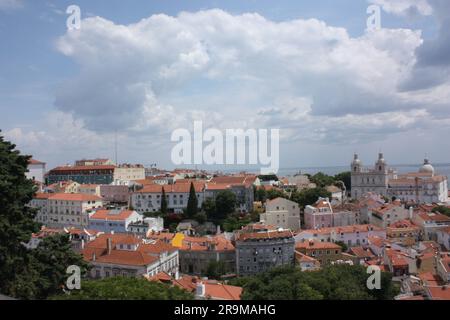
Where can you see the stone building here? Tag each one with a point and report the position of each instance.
(197, 253)
(261, 250)
(423, 186)
(366, 180)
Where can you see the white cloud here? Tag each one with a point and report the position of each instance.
(314, 81)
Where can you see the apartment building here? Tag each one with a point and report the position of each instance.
(36, 170)
(324, 252)
(282, 213)
(351, 236)
(260, 251)
(65, 209)
(127, 255)
(196, 253)
(116, 220)
(148, 199)
(389, 213)
(129, 172)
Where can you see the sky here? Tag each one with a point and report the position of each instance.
(141, 69)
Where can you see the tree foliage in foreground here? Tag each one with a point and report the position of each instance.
(124, 288)
(336, 282)
(27, 274)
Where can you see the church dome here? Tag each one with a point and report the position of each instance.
(381, 159)
(356, 160)
(427, 167)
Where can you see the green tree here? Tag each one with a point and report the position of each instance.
(216, 269)
(442, 209)
(274, 193)
(322, 180)
(334, 282)
(225, 204)
(260, 194)
(209, 207)
(49, 262)
(26, 274)
(122, 288)
(192, 205)
(163, 202)
(16, 220)
(346, 178)
(309, 196)
(200, 217)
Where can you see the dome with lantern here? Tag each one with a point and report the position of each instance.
(427, 167)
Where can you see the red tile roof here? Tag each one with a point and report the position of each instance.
(111, 215)
(33, 161)
(361, 252)
(316, 245)
(82, 168)
(171, 188)
(217, 243)
(271, 234)
(74, 197)
(219, 291)
(145, 254)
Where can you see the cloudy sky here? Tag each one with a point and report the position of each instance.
(143, 68)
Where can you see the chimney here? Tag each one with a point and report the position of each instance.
(82, 244)
(200, 289)
(94, 257)
(411, 210)
(177, 275)
(108, 245)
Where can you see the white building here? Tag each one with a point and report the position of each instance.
(420, 187)
(127, 255)
(389, 213)
(36, 170)
(443, 237)
(356, 235)
(115, 220)
(282, 213)
(65, 209)
(148, 199)
(430, 223)
(129, 172)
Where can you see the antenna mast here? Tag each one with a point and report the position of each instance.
(115, 146)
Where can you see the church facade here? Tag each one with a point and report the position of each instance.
(423, 186)
(374, 179)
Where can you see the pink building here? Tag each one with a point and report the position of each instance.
(115, 193)
(319, 215)
(357, 235)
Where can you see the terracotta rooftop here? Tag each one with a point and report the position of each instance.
(33, 161)
(271, 234)
(82, 168)
(316, 245)
(113, 215)
(74, 197)
(171, 188)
